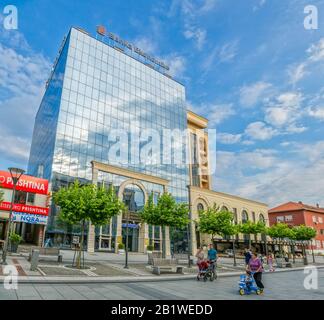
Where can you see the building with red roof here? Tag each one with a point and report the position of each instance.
(298, 213)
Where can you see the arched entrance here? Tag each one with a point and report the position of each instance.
(134, 197)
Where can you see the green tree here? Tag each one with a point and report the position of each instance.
(250, 227)
(81, 204)
(303, 233)
(166, 213)
(218, 222)
(280, 231)
(215, 222)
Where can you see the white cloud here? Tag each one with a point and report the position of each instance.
(177, 65)
(260, 131)
(197, 34)
(228, 138)
(146, 44)
(191, 12)
(259, 5)
(285, 112)
(228, 51)
(317, 112)
(316, 51)
(23, 74)
(252, 94)
(216, 113)
(266, 176)
(207, 6)
(297, 72)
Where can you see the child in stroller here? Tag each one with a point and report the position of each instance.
(206, 270)
(247, 284)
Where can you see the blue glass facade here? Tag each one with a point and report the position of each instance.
(94, 89)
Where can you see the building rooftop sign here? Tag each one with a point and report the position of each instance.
(25, 183)
(101, 30)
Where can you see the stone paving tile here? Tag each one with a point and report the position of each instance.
(88, 292)
(120, 292)
(7, 294)
(27, 291)
(112, 294)
(68, 292)
(48, 292)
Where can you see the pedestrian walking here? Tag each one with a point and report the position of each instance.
(200, 255)
(255, 266)
(270, 262)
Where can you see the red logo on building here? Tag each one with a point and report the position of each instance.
(25, 183)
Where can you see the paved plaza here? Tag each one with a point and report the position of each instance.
(279, 286)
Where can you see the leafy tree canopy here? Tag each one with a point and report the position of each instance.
(87, 203)
(303, 233)
(215, 222)
(167, 212)
(250, 227)
(280, 231)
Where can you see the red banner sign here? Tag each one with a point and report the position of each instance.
(25, 183)
(5, 206)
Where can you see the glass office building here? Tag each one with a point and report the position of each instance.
(97, 88)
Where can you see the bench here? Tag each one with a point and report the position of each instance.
(166, 265)
(283, 264)
(48, 252)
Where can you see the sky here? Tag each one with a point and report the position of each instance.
(249, 66)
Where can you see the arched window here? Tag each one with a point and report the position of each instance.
(224, 208)
(134, 198)
(261, 218)
(200, 207)
(245, 216)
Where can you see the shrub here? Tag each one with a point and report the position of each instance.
(149, 247)
(15, 238)
(121, 246)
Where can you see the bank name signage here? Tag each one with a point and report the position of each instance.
(102, 31)
(5, 206)
(25, 183)
(29, 218)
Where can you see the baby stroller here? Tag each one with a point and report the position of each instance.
(206, 271)
(247, 284)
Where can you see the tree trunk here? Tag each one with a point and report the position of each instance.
(163, 243)
(80, 247)
(234, 257)
(250, 242)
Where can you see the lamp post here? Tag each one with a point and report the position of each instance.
(15, 176)
(126, 248)
(189, 226)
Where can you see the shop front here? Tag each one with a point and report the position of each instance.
(29, 210)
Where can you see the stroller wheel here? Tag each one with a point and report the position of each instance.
(241, 292)
(205, 278)
(198, 278)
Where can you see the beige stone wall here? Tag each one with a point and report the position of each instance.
(208, 197)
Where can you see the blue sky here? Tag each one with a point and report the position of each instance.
(250, 66)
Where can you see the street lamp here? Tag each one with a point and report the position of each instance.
(15, 176)
(126, 249)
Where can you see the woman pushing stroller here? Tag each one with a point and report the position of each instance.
(255, 267)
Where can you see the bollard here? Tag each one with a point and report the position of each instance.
(34, 260)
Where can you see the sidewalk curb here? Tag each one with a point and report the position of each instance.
(101, 280)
